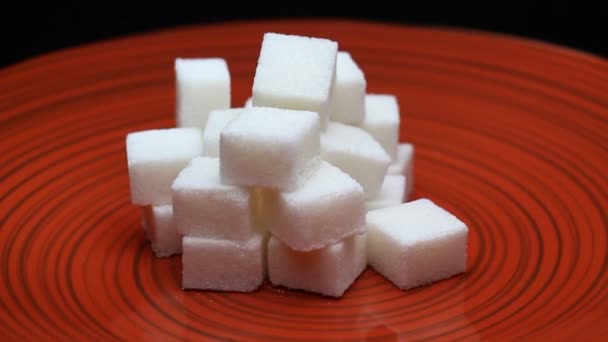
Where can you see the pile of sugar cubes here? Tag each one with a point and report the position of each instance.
(304, 186)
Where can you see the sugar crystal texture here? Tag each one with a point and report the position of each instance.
(391, 193)
(161, 231)
(382, 121)
(296, 72)
(355, 152)
(155, 157)
(202, 85)
(404, 165)
(218, 119)
(329, 271)
(269, 147)
(223, 265)
(328, 207)
(205, 207)
(349, 91)
(416, 243)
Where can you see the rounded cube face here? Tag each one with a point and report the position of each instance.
(269, 147)
(296, 72)
(258, 161)
(348, 98)
(213, 213)
(434, 259)
(155, 158)
(416, 243)
(211, 264)
(202, 85)
(382, 121)
(160, 229)
(325, 209)
(329, 271)
(204, 207)
(356, 153)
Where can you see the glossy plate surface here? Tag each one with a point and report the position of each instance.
(510, 135)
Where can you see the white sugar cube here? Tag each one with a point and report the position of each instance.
(296, 72)
(202, 85)
(404, 165)
(391, 193)
(355, 152)
(224, 265)
(248, 102)
(416, 243)
(382, 121)
(155, 157)
(218, 119)
(269, 147)
(329, 271)
(328, 207)
(161, 231)
(349, 91)
(205, 207)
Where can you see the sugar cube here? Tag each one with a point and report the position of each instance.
(404, 165)
(328, 207)
(205, 207)
(269, 147)
(349, 91)
(329, 271)
(391, 193)
(416, 243)
(224, 265)
(355, 152)
(155, 157)
(202, 85)
(218, 119)
(296, 72)
(382, 121)
(160, 230)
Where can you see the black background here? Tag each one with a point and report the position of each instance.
(31, 28)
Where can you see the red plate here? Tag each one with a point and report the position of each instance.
(511, 136)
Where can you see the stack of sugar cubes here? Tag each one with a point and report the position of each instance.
(303, 186)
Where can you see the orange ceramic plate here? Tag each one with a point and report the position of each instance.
(510, 135)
